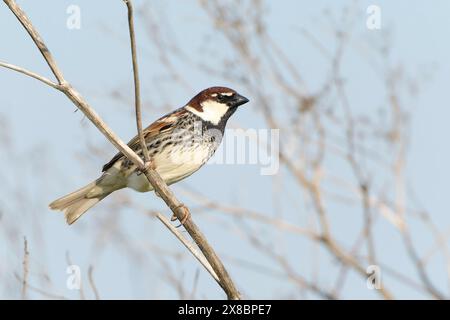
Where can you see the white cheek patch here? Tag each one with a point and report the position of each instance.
(212, 111)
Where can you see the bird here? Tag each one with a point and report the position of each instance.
(179, 143)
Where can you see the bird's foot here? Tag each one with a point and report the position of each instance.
(186, 215)
(147, 165)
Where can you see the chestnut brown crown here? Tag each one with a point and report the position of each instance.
(221, 95)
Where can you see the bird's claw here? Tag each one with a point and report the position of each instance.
(187, 215)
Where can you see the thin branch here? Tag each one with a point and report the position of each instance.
(154, 179)
(92, 283)
(42, 292)
(179, 209)
(25, 263)
(194, 287)
(249, 214)
(30, 74)
(420, 267)
(137, 89)
(188, 246)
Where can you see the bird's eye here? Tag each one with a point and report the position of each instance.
(222, 97)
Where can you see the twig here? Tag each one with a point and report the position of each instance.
(154, 179)
(92, 283)
(249, 214)
(194, 287)
(25, 264)
(137, 86)
(177, 207)
(42, 292)
(30, 74)
(420, 268)
(188, 246)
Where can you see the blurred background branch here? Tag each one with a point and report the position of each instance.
(361, 179)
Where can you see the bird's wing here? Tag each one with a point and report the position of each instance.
(163, 124)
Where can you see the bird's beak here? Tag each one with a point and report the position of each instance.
(239, 100)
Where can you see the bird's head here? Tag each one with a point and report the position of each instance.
(216, 104)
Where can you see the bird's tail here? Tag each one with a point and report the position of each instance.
(78, 202)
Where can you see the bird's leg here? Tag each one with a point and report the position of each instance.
(147, 165)
(186, 215)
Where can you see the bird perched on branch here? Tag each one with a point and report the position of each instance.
(179, 144)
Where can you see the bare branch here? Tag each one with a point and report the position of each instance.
(25, 264)
(177, 207)
(188, 246)
(30, 74)
(92, 283)
(137, 89)
(40, 291)
(420, 267)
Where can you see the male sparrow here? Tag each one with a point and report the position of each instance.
(179, 143)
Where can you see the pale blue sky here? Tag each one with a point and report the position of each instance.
(96, 60)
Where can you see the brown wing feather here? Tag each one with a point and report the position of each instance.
(163, 124)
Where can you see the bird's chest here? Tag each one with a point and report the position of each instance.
(185, 155)
(178, 155)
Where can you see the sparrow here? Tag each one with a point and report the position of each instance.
(179, 144)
